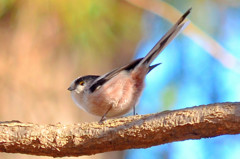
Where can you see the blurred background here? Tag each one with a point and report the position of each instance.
(45, 44)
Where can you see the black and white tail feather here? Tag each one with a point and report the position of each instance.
(147, 60)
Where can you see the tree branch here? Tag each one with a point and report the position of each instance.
(140, 131)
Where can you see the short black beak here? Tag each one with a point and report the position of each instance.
(70, 88)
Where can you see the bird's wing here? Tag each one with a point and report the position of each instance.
(104, 78)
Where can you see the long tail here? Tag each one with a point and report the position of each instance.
(156, 50)
(165, 40)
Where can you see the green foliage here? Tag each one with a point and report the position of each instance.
(94, 26)
(98, 24)
(5, 6)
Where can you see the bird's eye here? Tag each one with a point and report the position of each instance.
(81, 83)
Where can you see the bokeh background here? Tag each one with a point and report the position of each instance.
(45, 44)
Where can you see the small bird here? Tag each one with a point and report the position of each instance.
(117, 92)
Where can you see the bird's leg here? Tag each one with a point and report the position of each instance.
(104, 116)
(134, 110)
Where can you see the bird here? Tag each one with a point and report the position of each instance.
(117, 92)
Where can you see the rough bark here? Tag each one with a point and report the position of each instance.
(140, 131)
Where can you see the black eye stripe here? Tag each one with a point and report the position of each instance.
(84, 80)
